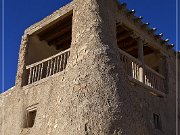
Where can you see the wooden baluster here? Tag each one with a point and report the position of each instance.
(57, 65)
(38, 71)
(64, 61)
(47, 71)
(156, 82)
(137, 71)
(51, 67)
(54, 67)
(35, 74)
(33, 70)
(41, 71)
(60, 63)
(152, 79)
(135, 66)
(30, 75)
(134, 70)
(148, 78)
(138, 68)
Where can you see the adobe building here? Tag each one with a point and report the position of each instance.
(92, 68)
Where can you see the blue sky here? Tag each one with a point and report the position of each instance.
(20, 14)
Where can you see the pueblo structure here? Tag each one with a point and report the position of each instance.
(92, 68)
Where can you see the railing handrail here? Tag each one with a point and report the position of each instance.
(129, 56)
(47, 59)
(158, 74)
(136, 60)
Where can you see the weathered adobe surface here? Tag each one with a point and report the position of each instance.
(92, 96)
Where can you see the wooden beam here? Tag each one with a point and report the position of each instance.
(122, 37)
(58, 33)
(126, 43)
(55, 27)
(54, 31)
(61, 39)
(141, 51)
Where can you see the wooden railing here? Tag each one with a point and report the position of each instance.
(131, 65)
(142, 73)
(47, 67)
(154, 79)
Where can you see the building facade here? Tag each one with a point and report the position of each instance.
(92, 68)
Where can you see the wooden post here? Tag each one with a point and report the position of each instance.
(141, 58)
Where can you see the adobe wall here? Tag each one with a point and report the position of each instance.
(11, 116)
(39, 50)
(93, 94)
(62, 109)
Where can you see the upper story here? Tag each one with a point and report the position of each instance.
(47, 45)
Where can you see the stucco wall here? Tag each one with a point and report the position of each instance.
(39, 50)
(93, 94)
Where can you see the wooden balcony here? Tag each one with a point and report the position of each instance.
(134, 68)
(142, 73)
(47, 67)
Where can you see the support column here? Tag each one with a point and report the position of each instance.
(141, 58)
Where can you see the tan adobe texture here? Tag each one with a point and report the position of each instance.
(105, 85)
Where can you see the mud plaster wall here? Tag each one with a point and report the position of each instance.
(93, 94)
(39, 50)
